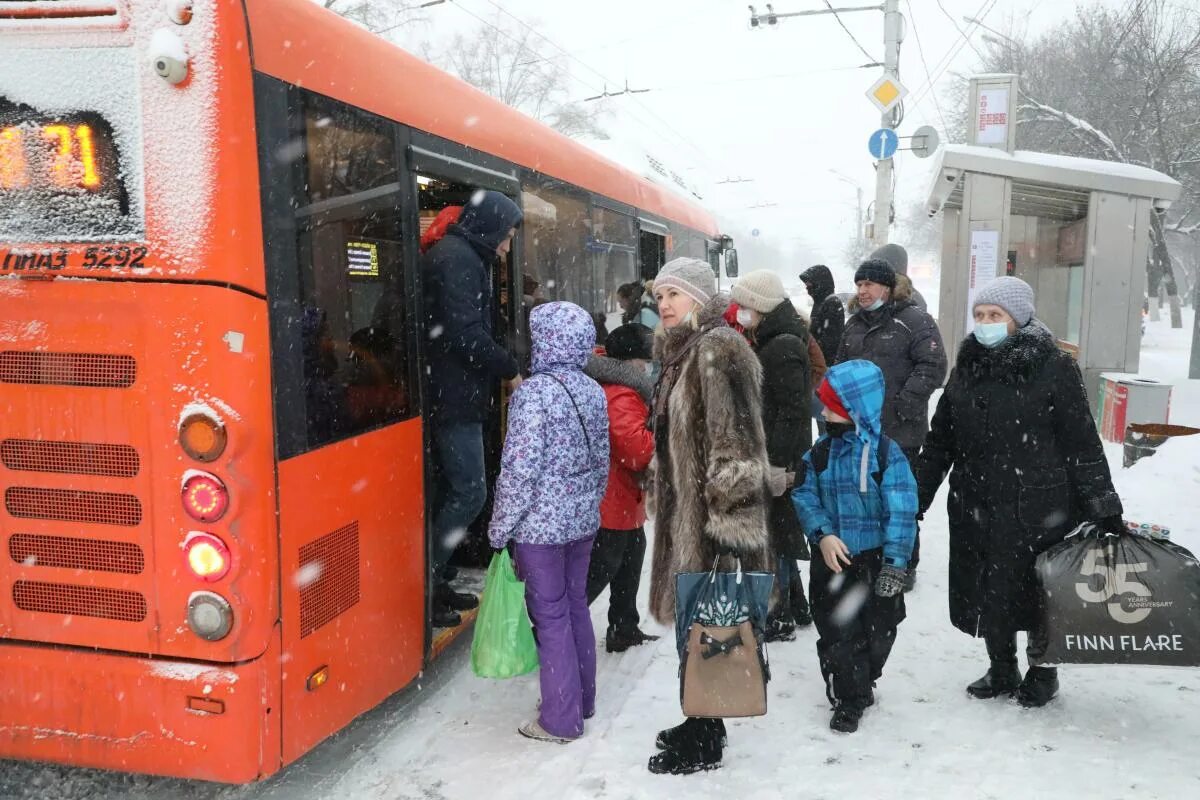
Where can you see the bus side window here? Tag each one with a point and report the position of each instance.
(349, 245)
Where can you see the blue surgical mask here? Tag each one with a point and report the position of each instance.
(878, 304)
(991, 334)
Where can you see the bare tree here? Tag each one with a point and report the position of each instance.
(504, 60)
(1119, 86)
(378, 16)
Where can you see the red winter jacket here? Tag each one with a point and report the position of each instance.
(631, 445)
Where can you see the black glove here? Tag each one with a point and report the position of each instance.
(890, 581)
(1114, 525)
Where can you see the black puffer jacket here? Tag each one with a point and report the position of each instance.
(781, 343)
(904, 342)
(465, 362)
(828, 314)
(1015, 426)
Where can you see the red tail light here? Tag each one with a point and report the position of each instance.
(205, 498)
(207, 556)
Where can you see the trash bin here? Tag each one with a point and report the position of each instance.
(1144, 439)
(1127, 399)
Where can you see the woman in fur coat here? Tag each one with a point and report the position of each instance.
(710, 483)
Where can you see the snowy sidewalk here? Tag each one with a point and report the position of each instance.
(1114, 733)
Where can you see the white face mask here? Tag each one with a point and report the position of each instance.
(745, 317)
(878, 304)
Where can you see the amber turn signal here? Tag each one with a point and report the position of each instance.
(202, 437)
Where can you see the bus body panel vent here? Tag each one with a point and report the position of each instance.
(95, 555)
(96, 370)
(79, 601)
(70, 458)
(71, 505)
(328, 577)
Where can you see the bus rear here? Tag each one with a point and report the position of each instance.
(139, 564)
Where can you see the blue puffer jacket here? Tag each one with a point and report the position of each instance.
(849, 498)
(555, 465)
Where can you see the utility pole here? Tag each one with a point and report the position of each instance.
(883, 168)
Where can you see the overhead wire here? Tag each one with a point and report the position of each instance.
(661, 122)
(848, 33)
(924, 64)
(944, 63)
(959, 29)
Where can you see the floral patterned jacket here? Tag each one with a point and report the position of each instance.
(555, 464)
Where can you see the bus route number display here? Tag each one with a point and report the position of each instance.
(51, 156)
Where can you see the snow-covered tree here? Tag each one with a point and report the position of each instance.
(1118, 85)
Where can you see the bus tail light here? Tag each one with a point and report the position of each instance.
(205, 498)
(209, 616)
(202, 437)
(207, 556)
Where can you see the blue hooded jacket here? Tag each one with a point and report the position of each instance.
(555, 465)
(847, 499)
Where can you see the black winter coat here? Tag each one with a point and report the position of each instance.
(1015, 426)
(828, 314)
(905, 343)
(465, 362)
(781, 343)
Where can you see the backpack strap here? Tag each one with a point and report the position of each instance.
(820, 456)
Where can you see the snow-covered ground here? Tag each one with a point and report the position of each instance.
(1114, 733)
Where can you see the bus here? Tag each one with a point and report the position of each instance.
(212, 444)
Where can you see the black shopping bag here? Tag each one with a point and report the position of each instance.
(1120, 599)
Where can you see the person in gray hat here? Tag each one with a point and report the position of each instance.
(1014, 430)
(897, 257)
(889, 330)
(711, 470)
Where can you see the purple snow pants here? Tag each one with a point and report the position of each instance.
(555, 577)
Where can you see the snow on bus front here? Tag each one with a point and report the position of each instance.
(70, 153)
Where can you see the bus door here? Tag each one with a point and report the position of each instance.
(443, 181)
(652, 247)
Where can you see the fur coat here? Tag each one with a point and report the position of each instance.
(710, 479)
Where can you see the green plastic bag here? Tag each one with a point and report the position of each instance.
(503, 645)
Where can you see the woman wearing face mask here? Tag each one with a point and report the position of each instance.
(710, 478)
(780, 339)
(1015, 432)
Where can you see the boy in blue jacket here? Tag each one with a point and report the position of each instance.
(857, 501)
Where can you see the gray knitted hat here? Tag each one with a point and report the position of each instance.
(1012, 294)
(691, 276)
(760, 290)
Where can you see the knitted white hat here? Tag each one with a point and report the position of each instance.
(760, 290)
(691, 276)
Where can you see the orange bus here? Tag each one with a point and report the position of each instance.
(212, 447)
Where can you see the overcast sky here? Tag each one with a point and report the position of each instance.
(785, 106)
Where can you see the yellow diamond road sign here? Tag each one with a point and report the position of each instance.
(886, 92)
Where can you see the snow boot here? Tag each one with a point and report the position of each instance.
(445, 617)
(674, 738)
(1001, 679)
(802, 616)
(699, 748)
(616, 641)
(780, 629)
(1039, 687)
(456, 601)
(845, 717)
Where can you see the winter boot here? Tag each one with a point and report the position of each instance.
(845, 717)
(780, 629)
(802, 614)
(1039, 687)
(700, 748)
(673, 738)
(445, 617)
(617, 641)
(457, 601)
(1001, 679)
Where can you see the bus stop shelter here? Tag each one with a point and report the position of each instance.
(1076, 229)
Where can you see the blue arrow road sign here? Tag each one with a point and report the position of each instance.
(883, 143)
